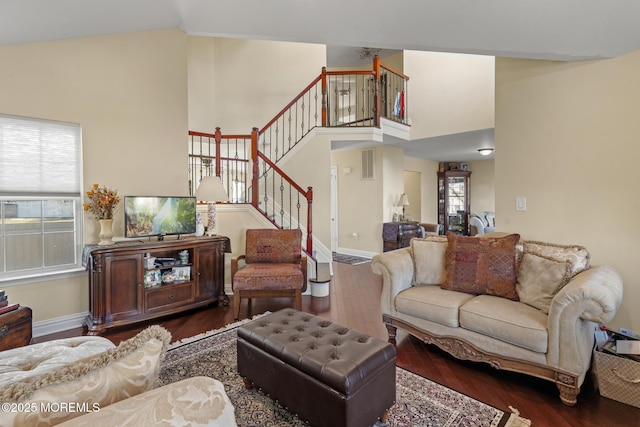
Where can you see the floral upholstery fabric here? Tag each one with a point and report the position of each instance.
(481, 265)
(197, 401)
(273, 246)
(129, 369)
(269, 277)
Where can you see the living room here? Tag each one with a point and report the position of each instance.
(559, 128)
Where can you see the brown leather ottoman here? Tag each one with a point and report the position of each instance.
(327, 374)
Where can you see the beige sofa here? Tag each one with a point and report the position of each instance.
(89, 381)
(543, 327)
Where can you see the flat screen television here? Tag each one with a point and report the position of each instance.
(146, 216)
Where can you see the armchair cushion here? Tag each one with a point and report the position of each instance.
(266, 276)
(481, 265)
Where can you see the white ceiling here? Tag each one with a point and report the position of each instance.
(566, 30)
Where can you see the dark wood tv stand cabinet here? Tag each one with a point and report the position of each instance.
(119, 296)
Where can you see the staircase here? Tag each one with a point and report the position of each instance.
(357, 98)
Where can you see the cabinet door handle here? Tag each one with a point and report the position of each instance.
(170, 296)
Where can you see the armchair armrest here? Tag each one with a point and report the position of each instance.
(591, 297)
(396, 269)
(234, 265)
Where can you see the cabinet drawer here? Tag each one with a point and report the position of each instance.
(168, 295)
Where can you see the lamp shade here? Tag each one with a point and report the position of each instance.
(211, 190)
(404, 200)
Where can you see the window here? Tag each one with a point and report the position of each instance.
(40, 197)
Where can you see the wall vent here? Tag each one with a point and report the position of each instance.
(367, 164)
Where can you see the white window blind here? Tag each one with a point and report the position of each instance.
(39, 157)
(40, 198)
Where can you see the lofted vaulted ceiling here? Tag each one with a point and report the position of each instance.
(569, 30)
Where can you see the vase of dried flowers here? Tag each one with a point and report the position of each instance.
(102, 203)
(106, 232)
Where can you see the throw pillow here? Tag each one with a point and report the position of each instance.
(577, 256)
(428, 260)
(481, 265)
(540, 279)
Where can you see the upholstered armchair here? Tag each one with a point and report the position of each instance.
(482, 222)
(274, 266)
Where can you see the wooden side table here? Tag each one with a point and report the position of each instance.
(15, 328)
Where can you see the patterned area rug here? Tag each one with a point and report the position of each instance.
(348, 259)
(419, 402)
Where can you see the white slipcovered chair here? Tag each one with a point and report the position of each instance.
(482, 222)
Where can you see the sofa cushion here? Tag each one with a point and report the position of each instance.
(481, 265)
(432, 303)
(428, 259)
(506, 320)
(129, 369)
(196, 401)
(540, 279)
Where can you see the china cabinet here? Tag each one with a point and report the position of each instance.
(453, 201)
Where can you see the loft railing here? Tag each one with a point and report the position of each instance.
(333, 99)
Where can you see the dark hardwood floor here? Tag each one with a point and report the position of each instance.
(354, 302)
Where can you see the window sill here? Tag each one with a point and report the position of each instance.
(43, 277)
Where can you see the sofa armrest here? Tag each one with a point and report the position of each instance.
(396, 269)
(592, 296)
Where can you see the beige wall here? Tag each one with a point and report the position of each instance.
(413, 190)
(567, 140)
(254, 80)
(482, 185)
(456, 92)
(129, 93)
(429, 182)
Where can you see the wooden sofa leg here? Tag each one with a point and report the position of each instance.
(568, 394)
(391, 330)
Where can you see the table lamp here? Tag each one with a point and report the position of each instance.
(211, 191)
(404, 201)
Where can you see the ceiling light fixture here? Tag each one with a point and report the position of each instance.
(368, 52)
(485, 151)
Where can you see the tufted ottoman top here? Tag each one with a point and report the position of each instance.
(339, 357)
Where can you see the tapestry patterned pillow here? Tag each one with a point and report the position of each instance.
(481, 265)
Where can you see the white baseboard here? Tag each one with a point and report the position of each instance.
(58, 324)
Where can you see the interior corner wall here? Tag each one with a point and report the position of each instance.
(129, 93)
(458, 92)
(566, 138)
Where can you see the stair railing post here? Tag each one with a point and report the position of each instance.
(324, 96)
(255, 194)
(309, 222)
(376, 94)
(218, 139)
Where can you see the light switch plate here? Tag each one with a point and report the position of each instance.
(521, 203)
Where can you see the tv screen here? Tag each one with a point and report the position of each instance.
(159, 216)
